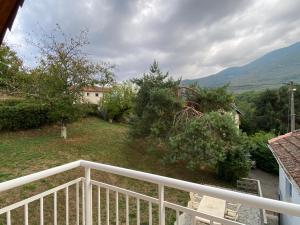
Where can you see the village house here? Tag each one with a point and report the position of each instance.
(286, 150)
(93, 94)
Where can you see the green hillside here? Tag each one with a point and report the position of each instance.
(268, 71)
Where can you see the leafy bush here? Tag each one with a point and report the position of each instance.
(260, 152)
(235, 165)
(23, 115)
(213, 141)
(118, 103)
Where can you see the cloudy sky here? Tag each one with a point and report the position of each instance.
(189, 38)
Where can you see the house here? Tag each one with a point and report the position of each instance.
(286, 150)
(93, 94)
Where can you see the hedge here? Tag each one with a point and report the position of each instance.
(23, 115)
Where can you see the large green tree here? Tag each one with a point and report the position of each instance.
(155, 104)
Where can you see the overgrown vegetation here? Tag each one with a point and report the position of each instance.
(117, 104)
(212, 141)
(268, 110)
(260, 152)
(196, 124)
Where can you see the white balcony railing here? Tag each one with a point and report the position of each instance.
(85, 210)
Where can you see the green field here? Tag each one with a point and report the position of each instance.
(25, 152)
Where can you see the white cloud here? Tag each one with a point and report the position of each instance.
(189, 38)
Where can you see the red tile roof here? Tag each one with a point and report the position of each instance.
(286, 149)
(95, 89)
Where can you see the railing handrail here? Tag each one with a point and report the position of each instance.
(247, 199)
(4, 186)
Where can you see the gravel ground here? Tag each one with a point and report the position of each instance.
(269, 183)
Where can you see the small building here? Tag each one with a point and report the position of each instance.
(93, 94)
(286, 150)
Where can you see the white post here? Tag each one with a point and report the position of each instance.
(161, 204)
(87, 195)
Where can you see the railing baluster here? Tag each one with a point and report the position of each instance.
(26, 214)
(77, 203)
(99, 206)
(67, 205)
(88, 215)
(194, 220)
(8, 218)
(83, 203)
(138, 216)
(177, 217)
(161, 216)
(127, 210)
(107, 206)
(150, 213)
(117, 208)
(41, 211)
(55, 207)
(91, 204)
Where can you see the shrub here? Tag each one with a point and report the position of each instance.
(213, 141)
(235, 165)
(86, 110)
(118, 103)
(23, 115)
(260, 152)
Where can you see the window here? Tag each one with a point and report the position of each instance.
(87, 94)
(288, 188)
(97, 94)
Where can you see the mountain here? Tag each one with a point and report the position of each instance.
(269, 71)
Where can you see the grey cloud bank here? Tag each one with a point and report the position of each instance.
(190, 38)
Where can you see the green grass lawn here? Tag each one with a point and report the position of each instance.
(25, 152)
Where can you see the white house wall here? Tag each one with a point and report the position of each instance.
(92, 98)
(284, 219)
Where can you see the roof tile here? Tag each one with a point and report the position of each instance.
(286, 149)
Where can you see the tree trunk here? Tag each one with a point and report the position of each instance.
(63, 133)
(110, 120)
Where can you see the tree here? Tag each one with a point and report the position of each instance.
(155, 104)
(208, 99)
(106, 75)
(11, 70)
(268, 110)
(63, 70)
(210, 141)
(118, 103)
